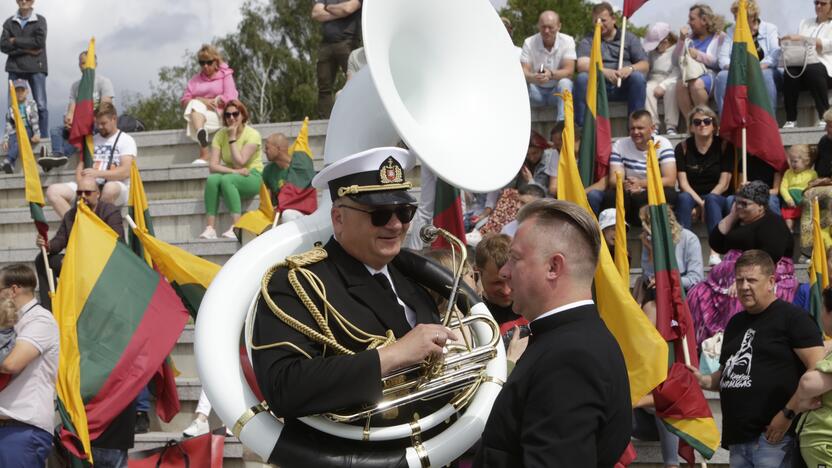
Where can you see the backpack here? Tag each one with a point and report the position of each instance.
(128, 123)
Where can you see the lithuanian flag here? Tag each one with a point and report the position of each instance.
(118, 320)
(34, 190)
(139, 210)
(818, 270)
(83, 120)
(679, 399)
(747, 105)
(189, 275)
(630, 7)
(622, 262)
(596, 143)
(297, 192)
(447, 212)
(645, 352)
(258, 221)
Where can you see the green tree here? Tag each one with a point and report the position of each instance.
(160, 110)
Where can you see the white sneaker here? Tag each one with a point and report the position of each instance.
(821, 123)
(789, 124)
(197, 427)
(229, 234)
(208, 233)
(671, 132)
(714, 259)
(199, 162)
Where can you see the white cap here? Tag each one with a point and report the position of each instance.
(607, 218)
(372, 177)
(656, 34)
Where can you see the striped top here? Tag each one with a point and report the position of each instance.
(625, 153)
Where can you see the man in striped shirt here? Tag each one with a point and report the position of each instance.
(629, 156)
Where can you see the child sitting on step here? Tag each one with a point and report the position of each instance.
(795, 181)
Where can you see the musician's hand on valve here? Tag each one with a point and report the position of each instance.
(423, 341)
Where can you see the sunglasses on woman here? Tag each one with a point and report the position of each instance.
(202, 63)
(381, 216)
(706, 121)
(85, 193)
(234, 114)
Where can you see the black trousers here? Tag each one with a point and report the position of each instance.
(634, 201)
(55, 262)
(331, 58)
(815, 80)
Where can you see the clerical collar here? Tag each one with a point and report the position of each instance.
(565, 307)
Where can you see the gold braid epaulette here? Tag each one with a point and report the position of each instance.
(296, 265)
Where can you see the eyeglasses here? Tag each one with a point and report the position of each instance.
(821, 3)
(381, 216)
(706, 121)
(85, 193)
(234, 114)
(202, 63)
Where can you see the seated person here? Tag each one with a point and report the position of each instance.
(633, 88)
(820, 188)
(552, 156)
(205, 97)
(8, 317)
(109, 213)
(236, 166)
(705, 163)
(700, 39)
(62, 149)
(629, 155)
(664, 73)
(490, 256)
(299, 198)
(526, 194)
(113, 155)
(29, 114)
(548, 61)
(749, 225)
(606, 221)
(795, 181)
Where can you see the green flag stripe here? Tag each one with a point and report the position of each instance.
(301, 170)
(191, 295)
(111, 314)
(37, 213)
(86, 87)
(745, 71)
(664, 253)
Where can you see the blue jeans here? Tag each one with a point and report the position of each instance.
(24, 446)
(633, 90)
(772, 77)
(716, 208)
(109, 458)
(143, 400)
(773, 203)
(596, 198)
(761, 454)
(37, 83)
(541, 97)
(14, 150)
(60, 145)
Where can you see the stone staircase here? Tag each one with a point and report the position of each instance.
(174, 189)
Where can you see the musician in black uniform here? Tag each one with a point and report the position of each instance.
(567, 401)
(302, 375)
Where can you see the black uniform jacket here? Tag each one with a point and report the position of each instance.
(567, 401)
(295, 386)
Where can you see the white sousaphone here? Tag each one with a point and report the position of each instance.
(444, 77)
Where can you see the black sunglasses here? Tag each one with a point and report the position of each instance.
(234, 114)
(821, 3)
(85, 193)
(381, 216)
(202, 63)
(706, 121)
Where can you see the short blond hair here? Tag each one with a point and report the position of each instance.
(8, 313)
(209, 52)
(750, 6)
(714, 22)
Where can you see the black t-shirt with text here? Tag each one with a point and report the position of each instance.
(760, 370)
(703, 170)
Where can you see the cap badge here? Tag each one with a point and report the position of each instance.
(390, 172)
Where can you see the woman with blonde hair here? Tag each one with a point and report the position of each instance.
(701, 37)
(663, 76)
(205, 98)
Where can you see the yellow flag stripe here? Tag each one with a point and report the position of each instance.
(138, 200)
(256, 222)
(595, 65)
(742, 32)
(302, 141)
(176, 264)
(622, 262)
(703, 429)
(655, 192)
(33, 188)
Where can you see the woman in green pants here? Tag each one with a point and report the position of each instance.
(236, 166)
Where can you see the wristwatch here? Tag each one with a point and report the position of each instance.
(789, 414)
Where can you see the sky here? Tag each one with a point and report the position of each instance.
(786, 14)
(134, 38)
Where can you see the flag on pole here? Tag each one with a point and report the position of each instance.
(258, 221)
(596, 143)
(622, 261)
(297, 192)
(818, 270)
(645, 352)
(679, 400)
(31, 177)
(747, 104)
(83, 120)
(117, 319)
(447, 213)
(630, 7)
(139, 210)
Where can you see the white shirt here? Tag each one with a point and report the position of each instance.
(634, 161)
(30, 395)
(535, 54)
(409, 314)
(565, 307)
